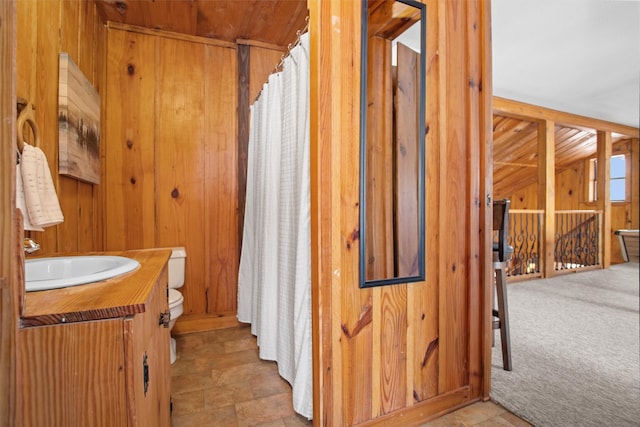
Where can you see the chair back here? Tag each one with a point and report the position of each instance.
(501, 225)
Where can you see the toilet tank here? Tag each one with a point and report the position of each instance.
(176, 267)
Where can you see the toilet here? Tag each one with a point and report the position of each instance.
(176, 281)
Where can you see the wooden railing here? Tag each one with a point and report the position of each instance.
(577, 241)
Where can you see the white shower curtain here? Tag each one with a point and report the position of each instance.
(274, 280)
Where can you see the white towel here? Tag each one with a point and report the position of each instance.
(40, 195)
(20, 202)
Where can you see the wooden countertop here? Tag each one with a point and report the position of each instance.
(118, 297)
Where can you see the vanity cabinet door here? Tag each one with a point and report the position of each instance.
(148, 362)
(72, 375)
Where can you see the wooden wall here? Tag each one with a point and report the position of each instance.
(571, 193)
(37, 31)
(171, 156)
(169, 141)
(9, 252)
(46, 28)
(172, 114)
(398, 355)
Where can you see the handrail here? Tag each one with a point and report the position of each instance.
(526, 210)
(570, 211)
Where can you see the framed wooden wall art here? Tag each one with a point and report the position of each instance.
(78, 124)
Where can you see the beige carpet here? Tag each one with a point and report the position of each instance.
(575, 350)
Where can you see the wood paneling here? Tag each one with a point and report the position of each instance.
(172, 152)
(181, 162)
(221, 190)
(129, 141)
(44, 30)
(396, 355)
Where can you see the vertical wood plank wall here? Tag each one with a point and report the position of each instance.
(46, 28)
(172, 157)
(172, 153)
(398, 355)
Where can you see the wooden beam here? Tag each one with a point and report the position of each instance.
(244, 72)
(603, 178)
(524, 111)
(519, 165)
(256, 43)
(634, 180)
(485, 187)
(170, 35)
(546, 193)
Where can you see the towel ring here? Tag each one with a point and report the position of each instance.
(27, 116)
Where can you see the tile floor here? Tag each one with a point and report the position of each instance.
(218, 380)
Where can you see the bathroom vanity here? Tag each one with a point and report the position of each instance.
(98, 354)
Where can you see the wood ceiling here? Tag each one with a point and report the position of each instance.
(515, 160)
(515, 142)
(268, 21)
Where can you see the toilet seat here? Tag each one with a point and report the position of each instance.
(175, 298)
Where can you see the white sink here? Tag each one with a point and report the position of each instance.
(60, 272)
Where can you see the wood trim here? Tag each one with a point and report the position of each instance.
(604, 197)
(244, 74)
(320, 155)
(634, 179)
(546, 192)
(191, 323)
(478, 143)
(170, 35)
(519, 165)
(524, 111)
(486, 189)
(526, 211)
(424, 411)
(8, 244)
(256, 43)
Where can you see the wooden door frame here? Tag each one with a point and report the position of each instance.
(8, 246)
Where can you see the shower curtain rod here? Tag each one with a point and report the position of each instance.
(299, 34)
(290, 47)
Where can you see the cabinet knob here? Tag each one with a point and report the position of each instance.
(165, 317)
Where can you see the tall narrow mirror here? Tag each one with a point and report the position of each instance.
(392, 135)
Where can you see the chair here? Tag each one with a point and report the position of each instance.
(501, 255)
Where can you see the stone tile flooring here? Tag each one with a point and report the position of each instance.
(218, 380)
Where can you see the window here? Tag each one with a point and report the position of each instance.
(618, 175)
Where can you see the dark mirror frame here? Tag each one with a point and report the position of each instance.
(364, 283)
